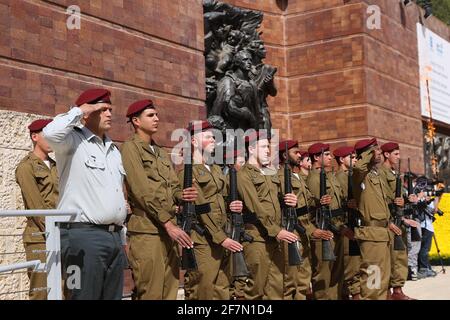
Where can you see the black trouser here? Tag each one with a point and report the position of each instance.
(427, 237)
(93, 261)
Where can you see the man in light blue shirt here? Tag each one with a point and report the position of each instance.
(91, 181)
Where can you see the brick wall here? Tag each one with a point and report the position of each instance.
(135, 48)
(339, 81)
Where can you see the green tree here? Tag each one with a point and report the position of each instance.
(441, 9)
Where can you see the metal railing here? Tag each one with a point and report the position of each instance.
(52, 247)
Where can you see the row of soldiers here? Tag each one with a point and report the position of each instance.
(155, 197)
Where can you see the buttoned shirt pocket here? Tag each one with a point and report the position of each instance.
(164, 168)
(150, 168)
(96, 167)
(259, 183)
(376, 212)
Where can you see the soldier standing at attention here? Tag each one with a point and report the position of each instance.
(399, 258)
(297, 279)
(373, 235)
(327, 279)
(153, 192)
(91, 182)
(211, 279)
(262, 216)
(343, 156)
(38, 180)
(305, 165)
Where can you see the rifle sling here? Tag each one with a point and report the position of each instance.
(202, 208)
(302, 211)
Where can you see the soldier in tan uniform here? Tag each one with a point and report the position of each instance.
(211, 280)
(343, 156)
(297, 279)
(327, 278)
(259, 192)
(153, 194)
(373, 236)
(399, 258)
(305, 165)
(38, 180)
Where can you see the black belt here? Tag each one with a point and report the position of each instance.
(302, 211)
(84, 225)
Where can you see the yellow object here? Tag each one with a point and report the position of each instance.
(442, 228)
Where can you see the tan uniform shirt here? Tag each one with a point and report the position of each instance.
(259, 194)
(333, 189)
(304, 198)
(152, 184)
(212, 188)
(390, 180)
(39, 186)
(371, 195)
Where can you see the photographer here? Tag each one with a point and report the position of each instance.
(427, 207)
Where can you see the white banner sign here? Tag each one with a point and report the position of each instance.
(434, 63)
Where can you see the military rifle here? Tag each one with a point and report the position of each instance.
(290, 215)
(409, 210)
(353, 219)
(325, 217)
(397, 212)
(237, 230)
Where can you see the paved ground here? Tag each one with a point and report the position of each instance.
(437, 288)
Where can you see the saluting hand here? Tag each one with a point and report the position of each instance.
(287, 236)
(232, 245)
(177, 234)
(325, 200)
(395, 229)
(290, 200)
(322, 234)
(189, 194)
(87, 109)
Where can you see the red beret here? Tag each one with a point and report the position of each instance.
(38, 125)
(199, 126)
(138, 106)
(343, 151)
(317, 148)
(304, 154)
(93, 96)
(290, 144)
(390, 146)
(365, 143)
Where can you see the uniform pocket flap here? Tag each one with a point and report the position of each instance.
(94, 163)
(378, 234)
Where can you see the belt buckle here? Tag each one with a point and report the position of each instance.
(111, 228)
